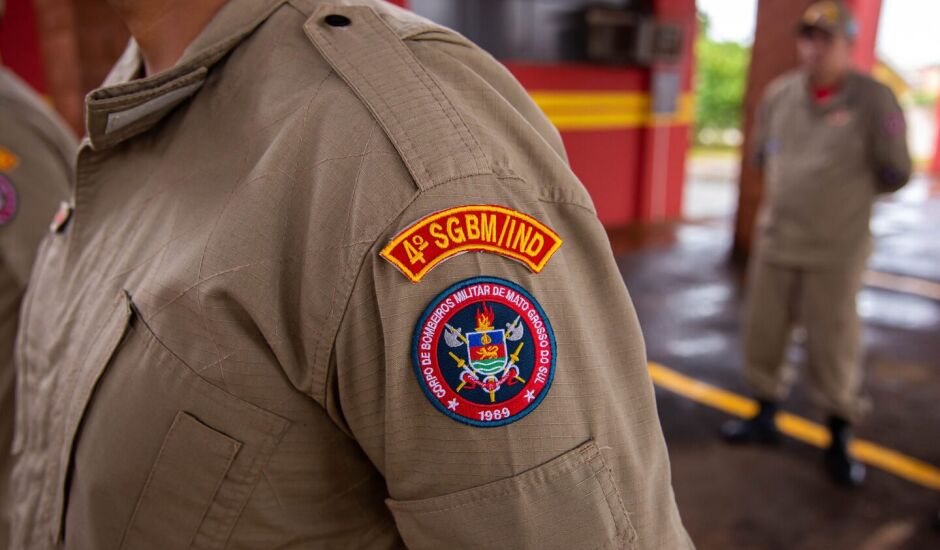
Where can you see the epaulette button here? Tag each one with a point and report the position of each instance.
(336, 20)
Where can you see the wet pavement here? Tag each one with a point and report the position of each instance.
(688, 297)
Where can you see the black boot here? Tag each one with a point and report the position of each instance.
(842, 467)
(759, 429)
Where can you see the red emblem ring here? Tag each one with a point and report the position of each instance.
(484, 352)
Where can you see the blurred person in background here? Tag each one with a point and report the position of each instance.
(36, 157)
(829, 140)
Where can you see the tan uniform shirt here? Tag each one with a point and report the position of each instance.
(824, 165)
(36, 156)
(216, 355)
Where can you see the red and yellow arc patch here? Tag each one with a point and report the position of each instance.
(482, 228)
(8, 161)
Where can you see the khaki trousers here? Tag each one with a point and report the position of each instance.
(823, 300)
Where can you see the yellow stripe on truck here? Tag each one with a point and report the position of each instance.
(586, 110)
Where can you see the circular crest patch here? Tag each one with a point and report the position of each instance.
(484, 352)
(8, 200)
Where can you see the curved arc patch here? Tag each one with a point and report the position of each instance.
(423, 245)
(8, 160)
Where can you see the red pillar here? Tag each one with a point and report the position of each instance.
(773, 53)
(935, 162)
(867, 14)
(666, 138)
(19, 43)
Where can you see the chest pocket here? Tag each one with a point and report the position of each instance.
(841, 132)
(574, 496)
(163, 459)
(816, 135)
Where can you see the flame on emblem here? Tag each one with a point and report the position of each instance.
(485, 318)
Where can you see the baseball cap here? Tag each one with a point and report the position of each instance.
(830, 16)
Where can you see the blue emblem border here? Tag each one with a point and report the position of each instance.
(416, 363)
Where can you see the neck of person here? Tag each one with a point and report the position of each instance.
(164, 28)
(828, 79)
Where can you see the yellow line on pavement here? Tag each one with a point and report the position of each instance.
(903, 283)
(797, 427)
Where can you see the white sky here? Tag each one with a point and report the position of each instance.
(907, 34)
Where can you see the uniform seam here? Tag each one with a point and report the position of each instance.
(293, 4)
(72, 411)
(275, 424)
(539, 197)
(406, 31)
(629, 535)
(98, 104)
(462, 127)
(355, 280)
(561, 467)
(273, 430)
(264, 456)
(443, 51)
(355, 87)
(333, 298)
(143, 491)
(443, 33)
(451, 180)
(218, 485)
(549, 200)
(423, 78)
(431, 85)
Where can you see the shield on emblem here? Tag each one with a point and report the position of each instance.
(488, 355)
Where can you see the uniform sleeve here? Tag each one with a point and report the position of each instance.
(892, 160)
(32, 188)
(32, 182)
(759, 135)
(580, 462)
(761, 144)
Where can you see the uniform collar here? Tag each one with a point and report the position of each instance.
(126, 106)
(840, 99)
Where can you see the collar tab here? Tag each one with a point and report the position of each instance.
(123, 111)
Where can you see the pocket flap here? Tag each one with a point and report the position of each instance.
(191, 465)
(569, 502)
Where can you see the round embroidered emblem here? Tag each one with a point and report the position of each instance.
(484, 352)
(8, 200)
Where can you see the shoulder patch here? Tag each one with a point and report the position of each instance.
(482, 228)
(8, 161)
(8, 200)
(484, 352)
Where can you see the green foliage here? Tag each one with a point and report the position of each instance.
(721, 74)
(922, 98)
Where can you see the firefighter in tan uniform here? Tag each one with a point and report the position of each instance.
(36, 156)
(328, 282)
(830, 141)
